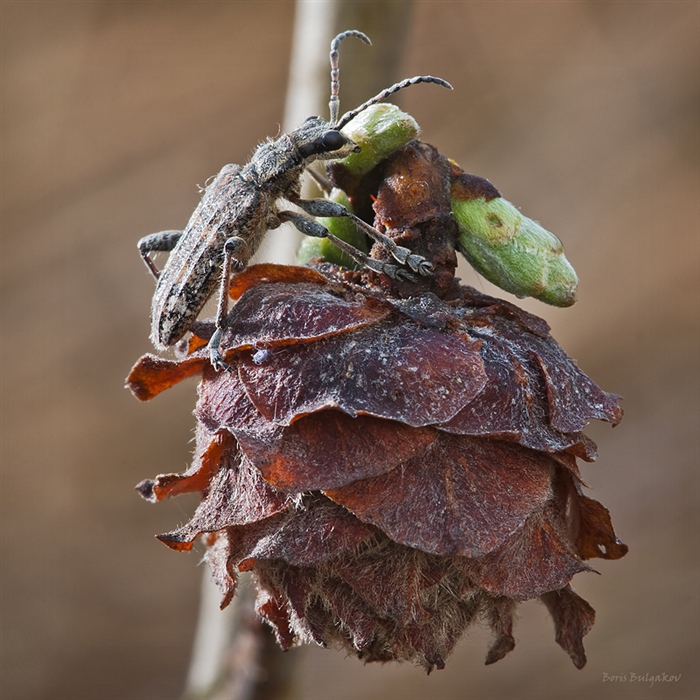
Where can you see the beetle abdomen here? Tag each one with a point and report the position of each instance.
(230, 206)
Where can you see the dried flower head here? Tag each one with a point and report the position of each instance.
(393, 461)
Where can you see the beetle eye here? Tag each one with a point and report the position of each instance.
(332, 140)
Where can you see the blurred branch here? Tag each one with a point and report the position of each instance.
(211, 640)
(235, 654)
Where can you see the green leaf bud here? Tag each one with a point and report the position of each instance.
(379, 130)
(513, 251)
(343, 228)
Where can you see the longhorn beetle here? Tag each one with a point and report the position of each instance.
(240, 205)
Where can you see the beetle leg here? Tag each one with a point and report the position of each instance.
(163, 241)
(233, 246)
(325, 207)
(311, 227)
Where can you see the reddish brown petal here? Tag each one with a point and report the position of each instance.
(432, 642)
(310, 533)
(500, 617)
(237, 495)
(223, 403)
(428, 311)
(153, 374)
(512, 406)
(202, 332)
(596, 536)
(270, 315)
(297, 589)
(271, 606)
(478, 309)
(329, 449)
(462, 496)
(573, 618)
(324, 608)
(322, 450)
(197, 477)
(536, 559)
(352, 613)
(269, 272)
(573, 397)
(225, 577)
(244, 538)
(405, 373)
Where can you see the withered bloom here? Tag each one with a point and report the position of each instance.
(392, 461)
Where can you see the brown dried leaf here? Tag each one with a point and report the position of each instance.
(537, 558)
(322, 450)
(224, 404)
(512, 406)
(534, 386)
(270, 315)
(329, 449)
(225, 577)
(237, 495)
(272, 608)
(573, 618)
(313, 532)
(197, 477)
(357, 620)
(462, 496)
(500, 617)
(596, 536)
(388, 580)
(269, 272)
(572, 398)
(402, 372)
(303, 588)
(479, 309)
(153, 374)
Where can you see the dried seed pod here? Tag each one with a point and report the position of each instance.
(391, 461)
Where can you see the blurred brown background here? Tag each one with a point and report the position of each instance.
(585, 114)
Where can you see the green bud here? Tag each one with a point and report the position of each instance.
(378, 130)
(343, 228)
(514, 252)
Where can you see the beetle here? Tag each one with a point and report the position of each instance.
(241, 204)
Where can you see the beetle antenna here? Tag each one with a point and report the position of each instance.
(389, 91)
(334, 104)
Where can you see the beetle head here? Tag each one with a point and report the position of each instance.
(317, 139)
